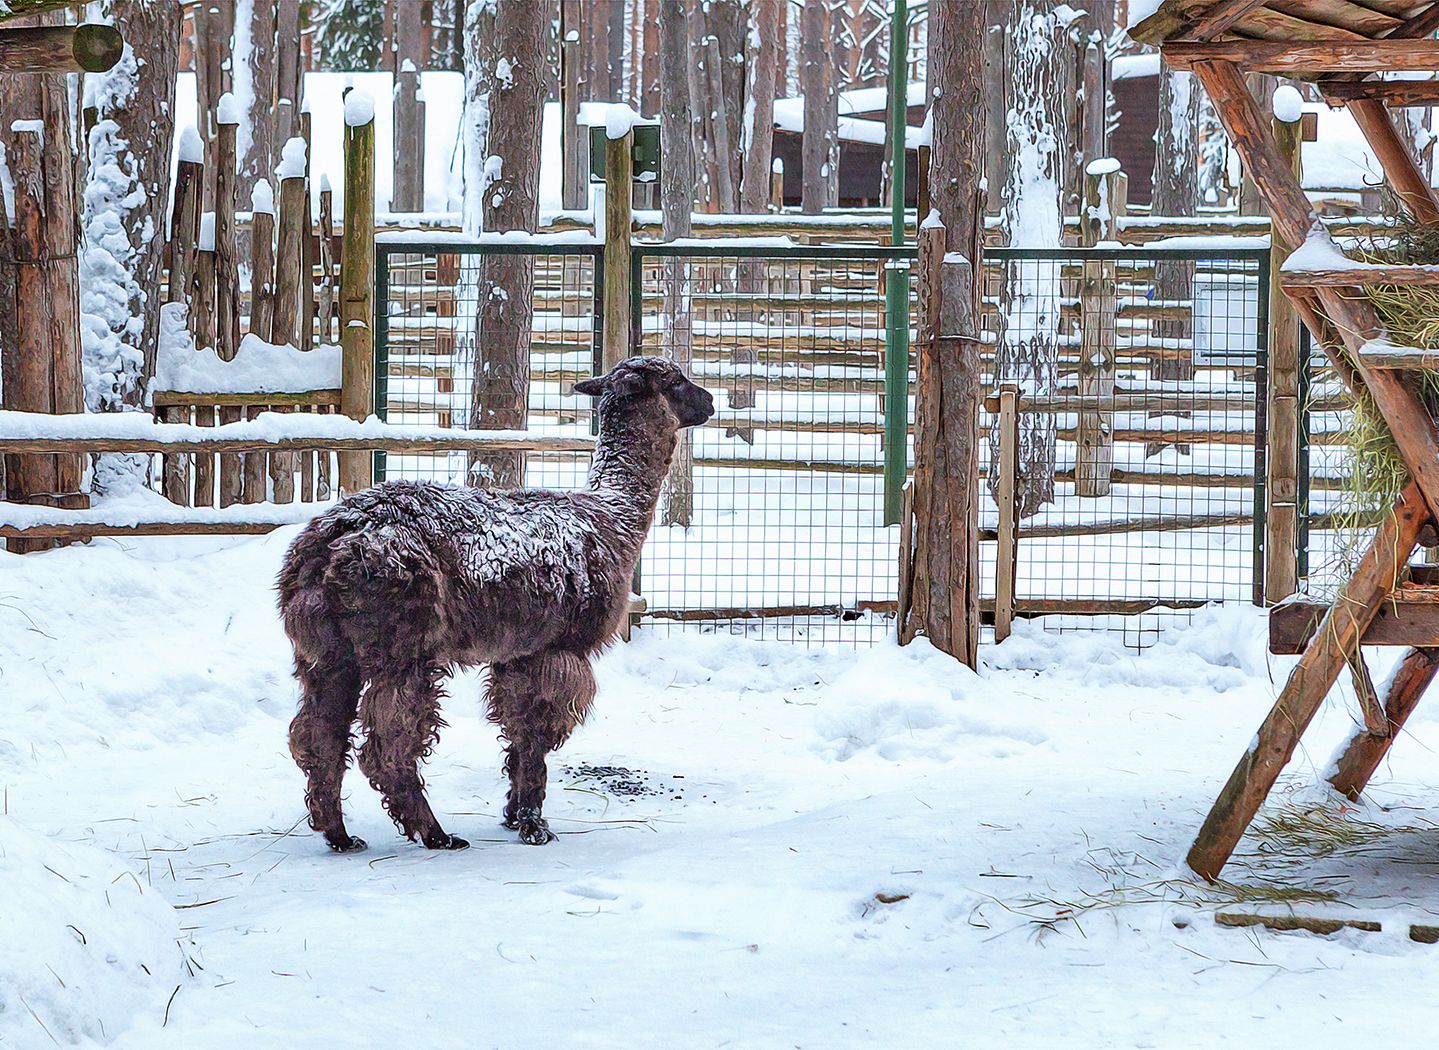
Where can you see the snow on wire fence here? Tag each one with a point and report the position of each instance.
(777, 521)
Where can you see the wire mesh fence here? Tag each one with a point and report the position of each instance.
(469, 330)
(1140, 435)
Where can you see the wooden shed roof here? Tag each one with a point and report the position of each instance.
(1288, 21)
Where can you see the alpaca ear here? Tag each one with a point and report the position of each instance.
(593, 387)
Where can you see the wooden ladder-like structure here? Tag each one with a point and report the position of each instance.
(1338, 45)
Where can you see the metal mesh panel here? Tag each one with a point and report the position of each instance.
(785, 530)
(1142, 371)
(435, 330)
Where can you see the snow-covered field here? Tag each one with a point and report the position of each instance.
(760, 845)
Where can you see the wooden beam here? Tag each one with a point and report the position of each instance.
(1392, 152)
(460, 441)
(21, 8)
(1305, 58)
(1362, 277)
(1390, 92)
(1366, 749)
(1338, 635)
(60, 49)
(1218, 19)
(1385, 357)
(1421, 25)
(1400, 622)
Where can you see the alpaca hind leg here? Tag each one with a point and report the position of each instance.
(320, 744)
(537, 701)
(400, 713)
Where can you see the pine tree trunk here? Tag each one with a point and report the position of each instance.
(943, 577)
(820, 143)
(1175, 193)
(756, 129)
(1028, 352)
(257, 146)
(125, 201)
(676, 202)
(511, 59)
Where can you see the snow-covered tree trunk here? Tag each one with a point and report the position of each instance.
(819, 146)
(506, 62)
(1176, 193)
(125, 203)
(254, 79)
(677, 183)
(757, 120)
(1028, 352)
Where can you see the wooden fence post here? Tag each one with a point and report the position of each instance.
(227, 279)
(1281, 489)
(357, 284)
(776, 185)
(575, 180)
(326, 244)
(1099, 307)
(619, 180)
(289, 248)
(1006, 561)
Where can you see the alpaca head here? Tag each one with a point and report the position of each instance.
(650, 385)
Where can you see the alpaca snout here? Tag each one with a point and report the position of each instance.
(700, 408)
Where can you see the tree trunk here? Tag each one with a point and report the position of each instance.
(996, 98)
(408, 192)
(757, 127)
(1027, 353)
(40, 355)
(512, 59)
(943, 577)
(254, 75)
(820, 143)
(125, 203)
(1176, 193)
(728, 27)
(676, 202)
(701, 104)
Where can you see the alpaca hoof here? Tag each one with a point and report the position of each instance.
(447, 842)
(533, 829)
(348, 844)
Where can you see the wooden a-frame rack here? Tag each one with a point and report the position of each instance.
(1339, 46)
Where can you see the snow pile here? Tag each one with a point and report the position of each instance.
(262, 198)
(191, 148)
(359, 108)
(292, 160)
(257, 368)
(84, 945)
(1288, 104)
(228, 110)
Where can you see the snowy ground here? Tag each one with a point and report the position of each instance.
(761, 845)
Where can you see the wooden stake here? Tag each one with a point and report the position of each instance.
(227, 270)
(619, 178)
(289, 261)
(357, 291)
(1007, 496)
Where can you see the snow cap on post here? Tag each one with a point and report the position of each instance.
(1288, 104)
(228, 109)
(776, 166)
(262, 198)
(292, 160)
(359, 108)
(619, 120)
(192, 148)
(1102, 166)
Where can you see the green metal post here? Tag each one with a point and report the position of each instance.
(896, 287)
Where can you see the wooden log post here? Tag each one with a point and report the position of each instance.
(262, 252)
(1281, 491)
(227, 279)
(619, 221)
(1006, 559)
(409, 137)
(941, 580)
(87, 48)
(1105, 188)
(289, 248)
(185, 216)
(357, 286)
(309, 248)
(325, 317)
(776, 185)
(574, 179)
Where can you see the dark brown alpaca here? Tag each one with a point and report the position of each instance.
(386, 592)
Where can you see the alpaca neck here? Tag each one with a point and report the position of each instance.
(632, 457)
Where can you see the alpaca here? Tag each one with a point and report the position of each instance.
(386, 592)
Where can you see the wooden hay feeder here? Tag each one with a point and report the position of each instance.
(1340, 47)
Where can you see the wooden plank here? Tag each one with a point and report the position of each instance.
(460, 440)
(168, 398)
(1367, 748)
(1291, 923)
(1338, 635)
(1384, 357)
(1300, 58)
(1007, 533)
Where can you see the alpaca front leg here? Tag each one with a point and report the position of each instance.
(320, 744)
(537, 701)
(401, 717)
